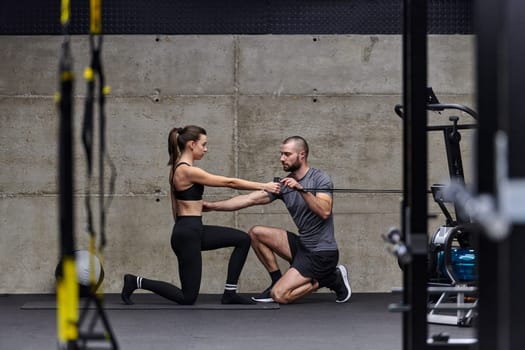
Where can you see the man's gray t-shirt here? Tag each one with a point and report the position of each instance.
(315, 233)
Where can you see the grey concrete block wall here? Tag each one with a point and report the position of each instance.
(249, 92)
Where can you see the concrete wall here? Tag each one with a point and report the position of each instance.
(249, 92)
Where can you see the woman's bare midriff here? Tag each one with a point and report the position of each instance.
(189, 208)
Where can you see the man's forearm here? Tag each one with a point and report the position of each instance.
(231, 204)
(322, 207)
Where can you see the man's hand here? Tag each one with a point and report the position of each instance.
(292, 183)
(320, 203)
(207, 206)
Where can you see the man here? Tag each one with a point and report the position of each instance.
(313, 254)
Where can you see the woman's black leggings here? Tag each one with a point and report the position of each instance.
(188, 238)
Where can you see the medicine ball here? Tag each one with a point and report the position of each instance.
(83, 272)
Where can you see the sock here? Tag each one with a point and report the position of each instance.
(230, 288)
(275, 275)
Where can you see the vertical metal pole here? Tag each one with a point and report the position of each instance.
(514, 126)
(488, 29)
(415, 172)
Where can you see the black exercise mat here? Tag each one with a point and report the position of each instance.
(149, 302)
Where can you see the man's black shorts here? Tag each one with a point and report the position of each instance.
(320, 266)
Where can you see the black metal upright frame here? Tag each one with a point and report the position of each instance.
(415, 163)
(414, 219)
(512, 122)
(488, 28)
(500, 52)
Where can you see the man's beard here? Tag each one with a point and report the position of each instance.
(292, 167)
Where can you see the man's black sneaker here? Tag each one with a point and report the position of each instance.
(343, 291)
(264, 297)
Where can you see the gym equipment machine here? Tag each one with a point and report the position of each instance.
(451, 258)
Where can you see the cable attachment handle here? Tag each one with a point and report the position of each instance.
(396, 246)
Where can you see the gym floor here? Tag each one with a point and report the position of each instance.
(316, 322)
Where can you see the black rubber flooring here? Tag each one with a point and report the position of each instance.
(317, 322)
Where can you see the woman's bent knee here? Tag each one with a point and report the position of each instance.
(245, 241)
(189, 300)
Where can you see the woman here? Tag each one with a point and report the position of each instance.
(189, 236)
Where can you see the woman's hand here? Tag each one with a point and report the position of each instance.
(272, 187)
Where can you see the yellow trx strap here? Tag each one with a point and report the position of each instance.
(67, 284)
(96, 17)
(67, 301)
(64, 14)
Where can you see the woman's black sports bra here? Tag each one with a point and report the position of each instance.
(194, 193)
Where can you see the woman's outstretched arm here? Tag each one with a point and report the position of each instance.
(238, 202)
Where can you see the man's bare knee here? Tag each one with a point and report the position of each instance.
(255, 233)
(280, 296)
